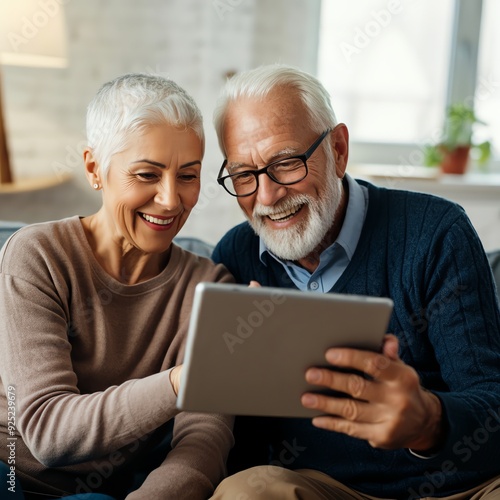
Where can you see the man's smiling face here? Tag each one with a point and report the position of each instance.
(292, 220)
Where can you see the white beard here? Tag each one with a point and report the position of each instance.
(300, 240)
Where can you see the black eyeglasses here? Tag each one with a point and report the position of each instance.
(285, 172)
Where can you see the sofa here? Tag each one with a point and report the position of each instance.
(200, 247)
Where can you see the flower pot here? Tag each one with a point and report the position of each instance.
(455, 161)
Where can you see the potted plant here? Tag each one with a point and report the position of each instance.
(453, 151)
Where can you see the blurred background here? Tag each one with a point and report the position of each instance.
(391, 66)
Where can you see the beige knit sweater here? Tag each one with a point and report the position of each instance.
(88, 356)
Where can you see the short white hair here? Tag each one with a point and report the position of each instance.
(259, 82)
(131, 103)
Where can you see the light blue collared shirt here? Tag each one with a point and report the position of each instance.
(334, 259)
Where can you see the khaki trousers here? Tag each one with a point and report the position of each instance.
(269, 482)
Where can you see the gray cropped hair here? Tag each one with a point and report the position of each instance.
(259, 82)
(131, 103)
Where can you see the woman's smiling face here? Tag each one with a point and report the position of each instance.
(152, 186)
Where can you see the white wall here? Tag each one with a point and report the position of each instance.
(195, 42)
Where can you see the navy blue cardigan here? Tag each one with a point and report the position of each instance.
(423, 253)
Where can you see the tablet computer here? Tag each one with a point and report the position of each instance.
(247, 349)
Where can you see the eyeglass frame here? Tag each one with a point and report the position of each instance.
(264, 170)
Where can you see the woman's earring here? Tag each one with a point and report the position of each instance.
(96, 186)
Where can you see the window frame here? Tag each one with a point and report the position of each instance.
(461, 87)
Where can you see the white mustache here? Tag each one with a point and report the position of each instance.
(283, 206)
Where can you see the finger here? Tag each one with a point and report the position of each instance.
(360, 430)
(348, 383)
(345, 408)
(351, 417)
(376, 365)
(175, 378)
(390, 347)
(254, 284)
(375, 435)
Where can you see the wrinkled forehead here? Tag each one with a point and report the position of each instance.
(280, 110)
(258, 131)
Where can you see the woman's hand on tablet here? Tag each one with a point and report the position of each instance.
(254, 284)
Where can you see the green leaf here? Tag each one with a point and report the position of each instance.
(432, 156)
(484, 152)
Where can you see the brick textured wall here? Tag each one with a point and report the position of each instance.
(195, 42)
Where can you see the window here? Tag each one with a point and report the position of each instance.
(487, 102)
(392, 68)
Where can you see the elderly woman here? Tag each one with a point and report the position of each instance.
(94, 313)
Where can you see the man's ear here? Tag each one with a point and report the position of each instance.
(91, 169)
(339, 138)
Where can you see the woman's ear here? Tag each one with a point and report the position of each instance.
(339, 139)
(91, 169)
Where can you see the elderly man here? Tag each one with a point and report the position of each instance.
(424, 421)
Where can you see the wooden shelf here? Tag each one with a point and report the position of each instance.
(429, 179)
(33, 184)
